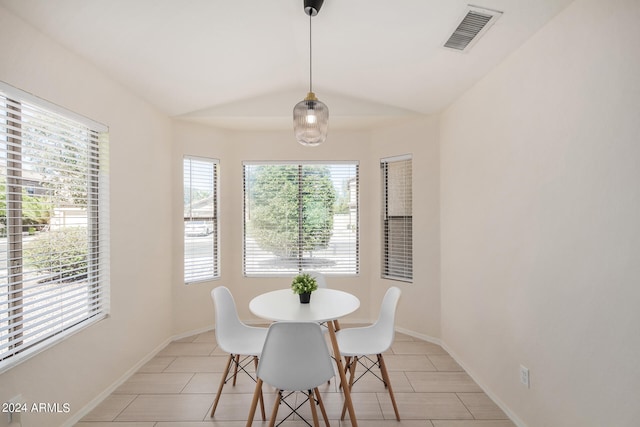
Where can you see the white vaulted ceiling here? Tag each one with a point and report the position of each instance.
(243, 64)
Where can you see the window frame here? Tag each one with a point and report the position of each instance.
(214, 219)
(387, 271)
(80, 302)
(301, 267)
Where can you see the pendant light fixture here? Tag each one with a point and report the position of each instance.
(311, 116)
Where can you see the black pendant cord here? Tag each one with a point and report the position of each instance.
(310, 56)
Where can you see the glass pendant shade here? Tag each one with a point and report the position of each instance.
(310, 121)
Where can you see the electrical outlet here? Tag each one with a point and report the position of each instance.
(524, 376)
(14, 410)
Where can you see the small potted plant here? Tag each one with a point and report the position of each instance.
(303, 285)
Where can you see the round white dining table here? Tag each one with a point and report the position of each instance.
(326, 305)
(284, 306)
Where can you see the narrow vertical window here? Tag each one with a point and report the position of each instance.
(300, 216)
(201, 255)
(54, 225)
(397, 219)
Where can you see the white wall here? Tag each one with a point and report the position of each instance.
(540, 209)
(419, 306)
(419, 310)
(149, 301)
(88, 363)
(538, 203)
(193, 308)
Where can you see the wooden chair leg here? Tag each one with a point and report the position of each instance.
(347, 362)
(276, 405)
(352, 374)
(235, 370)
(324, 412)
(385, 377)
(264, 416)
(314, 412)
(222, 381)
(252, 410)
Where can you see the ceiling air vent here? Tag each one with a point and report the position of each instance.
(475, 22)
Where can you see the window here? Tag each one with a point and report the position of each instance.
(201, 256)
(300, 216)
(54, 235)
(397, 240)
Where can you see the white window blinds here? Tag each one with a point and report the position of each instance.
(300, 216)
(54, 235)
(397, 227)
(201, 255)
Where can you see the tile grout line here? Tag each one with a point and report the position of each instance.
(187, 383)
(465, 406)
(124, 409)
(410, 348)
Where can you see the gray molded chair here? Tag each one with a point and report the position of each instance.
(243, 343)
(295, 357)
(362, 343)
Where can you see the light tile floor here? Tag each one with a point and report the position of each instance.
(177, 389)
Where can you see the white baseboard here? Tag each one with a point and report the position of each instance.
(191, 333)
(99, 398)
(419, 336)
(513, 417)
(509, 413)
(86, 409)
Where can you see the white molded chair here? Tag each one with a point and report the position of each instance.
(322, 282)
(361, 343)
(295, 357)
(243, 343)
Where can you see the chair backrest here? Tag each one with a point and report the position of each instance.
(385, 325)
(295, 357)
(322, 282)
(228, 324)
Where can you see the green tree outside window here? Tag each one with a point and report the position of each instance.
(292, 209)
